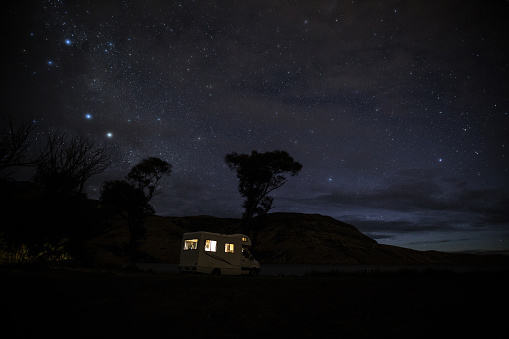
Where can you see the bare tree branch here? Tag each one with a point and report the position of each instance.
(15, 144)
(69, 161)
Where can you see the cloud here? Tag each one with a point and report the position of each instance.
(411, 200)
(197, 194)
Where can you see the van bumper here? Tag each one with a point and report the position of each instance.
(187, 269)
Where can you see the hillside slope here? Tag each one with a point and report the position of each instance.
(285, 238)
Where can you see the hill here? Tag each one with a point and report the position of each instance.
(285, 238)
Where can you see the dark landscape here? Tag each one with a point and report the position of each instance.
(283, 238)
(83, 303)
(94, 296)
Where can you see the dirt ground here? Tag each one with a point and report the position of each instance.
(84, 303)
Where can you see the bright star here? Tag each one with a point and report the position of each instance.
(109, 135)
(68, 42)
(88, 116)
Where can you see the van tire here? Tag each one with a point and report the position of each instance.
(216, 271)
(253, 272)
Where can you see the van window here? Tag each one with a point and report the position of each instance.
(246, 253)
(210, 245)
(228, 248)
(190, 244)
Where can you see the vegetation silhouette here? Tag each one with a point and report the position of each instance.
(60, 215)
(68, 162)
(130, 198)
(15, 145)
(259, 174)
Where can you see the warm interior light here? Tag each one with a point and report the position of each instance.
(190, 244)
(210, 245)
(228, 248)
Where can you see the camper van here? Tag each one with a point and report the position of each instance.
(217, 254)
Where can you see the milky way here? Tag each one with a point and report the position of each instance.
(397, 110)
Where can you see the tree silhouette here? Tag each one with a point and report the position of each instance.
(15, 144)
(130, 197)
(259, 174)
(68, 162)
(146, 175)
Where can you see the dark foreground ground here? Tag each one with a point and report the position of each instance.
(83, 303)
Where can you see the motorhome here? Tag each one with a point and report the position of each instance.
(217, 254)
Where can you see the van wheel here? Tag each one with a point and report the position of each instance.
(253, 272)
(216, 271)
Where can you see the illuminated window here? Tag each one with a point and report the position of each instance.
(228, 248)
(244, 239)
(190, 244)
(210, 245)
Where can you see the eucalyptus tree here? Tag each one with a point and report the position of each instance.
(259, 174)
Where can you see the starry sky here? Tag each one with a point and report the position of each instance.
(397, 110)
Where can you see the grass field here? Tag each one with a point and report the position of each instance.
(84, 303)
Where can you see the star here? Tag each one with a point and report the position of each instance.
(354, 115)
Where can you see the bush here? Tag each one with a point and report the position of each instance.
(22, 254)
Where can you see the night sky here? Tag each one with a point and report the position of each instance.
(397, 110)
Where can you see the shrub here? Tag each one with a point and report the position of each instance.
(22, 254)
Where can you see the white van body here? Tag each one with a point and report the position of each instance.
(214, 253)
